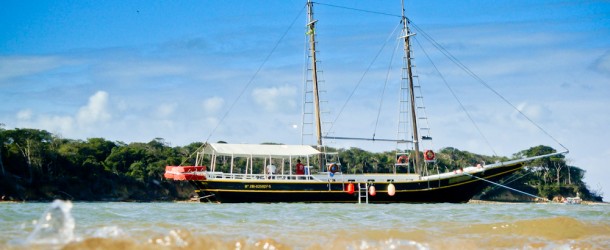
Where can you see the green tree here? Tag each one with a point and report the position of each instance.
(32, 145)
(121, 158)
(2, 141)
(35, 164)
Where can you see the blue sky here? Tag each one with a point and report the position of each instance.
(136, 70)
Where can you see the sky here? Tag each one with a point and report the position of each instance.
(194, 71)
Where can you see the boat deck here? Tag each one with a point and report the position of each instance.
(319, 177)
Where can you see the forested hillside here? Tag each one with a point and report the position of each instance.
(37, 165)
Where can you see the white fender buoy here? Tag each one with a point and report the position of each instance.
(391, 189)
(372, 191)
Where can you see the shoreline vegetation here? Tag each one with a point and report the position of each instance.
(36, 165)
(473, 201)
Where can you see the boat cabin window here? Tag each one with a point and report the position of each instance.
(262, 166)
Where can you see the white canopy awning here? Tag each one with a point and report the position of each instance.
(259, 150)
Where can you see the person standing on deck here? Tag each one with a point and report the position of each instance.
(271, 168)
(300, 169)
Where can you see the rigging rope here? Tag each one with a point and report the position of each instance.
(456, 98)
(255, 74)
(241, 93)
(509, 188)
(361, 79)
(385, 84)
(481, 81)
(512, 179)
(361, 10)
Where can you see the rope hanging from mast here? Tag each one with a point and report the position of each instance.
(361, 79)
(457, 99)
(250, 81)
(385, 84)
(482, 82)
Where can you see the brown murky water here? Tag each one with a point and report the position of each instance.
(302, 226)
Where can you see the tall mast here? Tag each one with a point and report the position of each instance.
(314, 71)
(407, 49)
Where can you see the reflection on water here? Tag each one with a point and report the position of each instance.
(63, 225)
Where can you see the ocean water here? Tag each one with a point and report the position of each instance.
(65, 225)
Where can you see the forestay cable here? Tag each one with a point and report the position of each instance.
(509, 188)
(255, 74)
(241, 93)
(476, 77)
(362, 78)
(385, 84)
(456, 98)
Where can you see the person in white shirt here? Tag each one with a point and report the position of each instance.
(271, 169)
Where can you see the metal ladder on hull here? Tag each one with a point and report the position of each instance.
(363, 192)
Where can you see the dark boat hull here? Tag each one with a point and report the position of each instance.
(455, 189)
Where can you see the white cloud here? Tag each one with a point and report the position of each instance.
(56, 123)
(603, 63)
(276, 98)
(533, 112)
(95, 111)
(24, 115)
(211, 121)
(213, 104)
(134, 71)
(87, 117)
(16, 66)
(165, 109)
(92, 114)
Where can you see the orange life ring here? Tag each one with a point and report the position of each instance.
(403, 159)
(333, 168)
(429, 155)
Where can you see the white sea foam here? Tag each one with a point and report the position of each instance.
(55, 226)
(108, 232)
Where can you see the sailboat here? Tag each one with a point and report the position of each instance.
(234, 173)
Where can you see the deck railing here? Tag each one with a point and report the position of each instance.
(222, 175)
